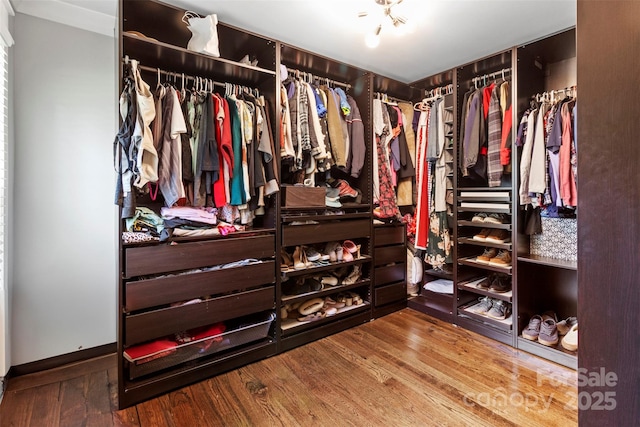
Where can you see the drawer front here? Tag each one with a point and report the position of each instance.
(184, 256)
(390, 293)
(390, 273)
(293, 235)
(158, 323)
(389, 254)
(143, 294)
(388, 235)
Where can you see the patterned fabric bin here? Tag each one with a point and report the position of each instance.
(559, 239)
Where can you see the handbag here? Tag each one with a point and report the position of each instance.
(204, 33)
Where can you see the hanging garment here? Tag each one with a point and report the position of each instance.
(525, 159)
(507, 119)
(537, 173)
(170, 168)
(494, 140)
(356, 137)
(568, 187)
(422, 182)
(123, 148)
(146, 169)
(220, 195)
(238, 195)
(334, 123)
(405, 188)
(387, 200)
(378, 130)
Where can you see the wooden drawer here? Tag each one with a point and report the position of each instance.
(184, 256)
(390, 293)
(388, 235)
(143, 294)
(389, 274)
(293, 235)
(158, 323)
(389, 254)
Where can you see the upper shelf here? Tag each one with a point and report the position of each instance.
(157, 54)
(551, 262)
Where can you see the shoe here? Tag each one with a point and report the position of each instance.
(549, 315)
(354, 276)
(497, 236)
(300, 261)
(479, 217)
(485, 283)
(312, 253)
(503, 259)
(345, 189)
(570, 340)
(485, 305)
(496, 218)
(500, 310)
(346, 255)
(331, 249)
(482, 235)
(500, 284)
(487, 255)
(565, 325)
(287, 261)
(532, 330)
(548, 333)
(329, 280)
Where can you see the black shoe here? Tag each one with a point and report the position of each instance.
(500, 284)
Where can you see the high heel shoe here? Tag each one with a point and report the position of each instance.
(300, 261)
(287, 261)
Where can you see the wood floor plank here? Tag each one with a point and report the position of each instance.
(120, 418)
(405, 369)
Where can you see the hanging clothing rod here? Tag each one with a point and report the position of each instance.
(490, 76)
(439, 91)
(383, 96)
(550, 95)
(308, 77)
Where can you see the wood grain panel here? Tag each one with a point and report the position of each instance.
(389, 273)
(608, 36)
(389, 254)
(388, 235)
(154, 324)
(293, 235)
(390, 293)
(184, 256)
(154, 292)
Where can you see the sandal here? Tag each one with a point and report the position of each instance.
(300, 261)
(312, 317)
(287, 261)
(354, 276)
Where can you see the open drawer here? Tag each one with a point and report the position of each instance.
(164, 258)
(165, 321)
(237, 333)
(142, 294)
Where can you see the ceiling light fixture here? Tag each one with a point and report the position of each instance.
(372, 39)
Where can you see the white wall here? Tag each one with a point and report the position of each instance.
(65, 222)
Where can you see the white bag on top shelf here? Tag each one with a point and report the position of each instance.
(204, 30)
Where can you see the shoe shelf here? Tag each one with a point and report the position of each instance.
(469, 287)
(356, 207)
(434, 304)
(466, 223)
(557, 353)
(472, 241)
(470, 261)
(468, 310)
(506, 211)
(292, 326)
(551, 262)
(440, 274)
(318, 268)
(327, 290)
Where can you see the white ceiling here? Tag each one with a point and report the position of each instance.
(446, 33)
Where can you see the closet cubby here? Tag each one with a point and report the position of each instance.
(390, 268)
(437, 304)
(546, 282)
(221, 289)
(315, 226)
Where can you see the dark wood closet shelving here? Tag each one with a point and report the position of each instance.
(313, 270)
(553, 262)
(470, 262)
(329, 290)
(293, 326)
(465, 223)
(471, 241)
(506, 296)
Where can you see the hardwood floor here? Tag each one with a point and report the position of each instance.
(405, 369)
